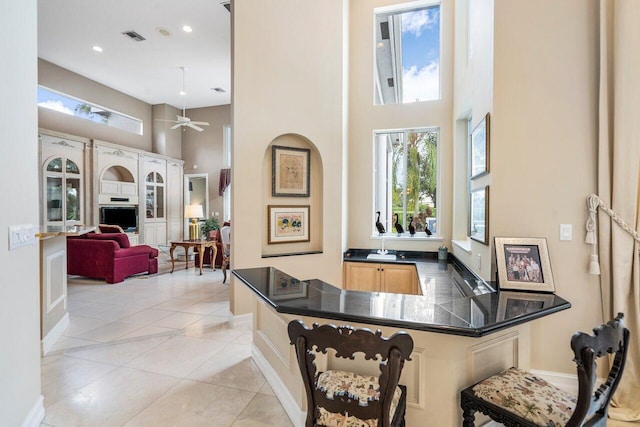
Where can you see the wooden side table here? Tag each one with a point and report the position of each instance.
(200, 244)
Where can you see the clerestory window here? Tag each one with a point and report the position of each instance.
(67, 104)
(407, 53)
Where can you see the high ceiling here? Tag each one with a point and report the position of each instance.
(148, 70)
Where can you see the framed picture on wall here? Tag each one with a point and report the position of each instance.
(479, 149)
(290, 171)
(523, 264)
(288, 224)
(478, 226)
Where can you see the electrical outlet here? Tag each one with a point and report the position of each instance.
(566, 232)
(22, 235)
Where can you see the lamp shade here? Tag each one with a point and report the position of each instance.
(193, 211)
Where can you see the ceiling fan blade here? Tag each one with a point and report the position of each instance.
(192, 126)
(176, 126)
(200, 123)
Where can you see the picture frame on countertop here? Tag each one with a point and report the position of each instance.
(290, 171)
(288, 224)
(479, 149)
(478, 226)
(515, 304)
(523, 264)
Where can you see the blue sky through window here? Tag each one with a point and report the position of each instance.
(421, 54)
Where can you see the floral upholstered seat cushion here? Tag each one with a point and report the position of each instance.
(528, 397)
(363, 388)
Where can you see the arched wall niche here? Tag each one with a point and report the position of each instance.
(314, 201)
(117, 173)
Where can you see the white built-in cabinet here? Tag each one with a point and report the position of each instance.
(63, 188)
(82, 176)
(154, 188)
(175, 176)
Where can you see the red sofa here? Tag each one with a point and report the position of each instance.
(109, 256)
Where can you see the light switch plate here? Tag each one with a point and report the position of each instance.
(22, 235)
(566, 232)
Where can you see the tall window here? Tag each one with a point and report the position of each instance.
(406, 180)
(407, 52)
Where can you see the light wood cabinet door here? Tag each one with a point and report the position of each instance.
(362, 276)
(398, 279)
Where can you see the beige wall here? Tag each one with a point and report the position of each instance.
(288, 79)
(543, 151)
(364, 118)
(166, 141)
(70, 83)
(204, 149)
(19, 292)
(473, 98)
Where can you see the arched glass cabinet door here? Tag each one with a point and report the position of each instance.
(154, 196)
(64, 198)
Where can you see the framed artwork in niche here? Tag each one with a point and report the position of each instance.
(288, 224)
(523, 264)
(290, 171)
(479, 149)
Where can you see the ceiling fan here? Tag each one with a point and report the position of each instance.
(184, 121)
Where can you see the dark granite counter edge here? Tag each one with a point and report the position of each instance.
(427, 327)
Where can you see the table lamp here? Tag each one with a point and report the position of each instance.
(194, 212)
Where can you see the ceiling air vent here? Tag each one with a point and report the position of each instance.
(227, 5)
(390, 82)
(134, 36)
(218, 89)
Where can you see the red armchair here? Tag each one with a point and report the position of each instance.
(109, 256)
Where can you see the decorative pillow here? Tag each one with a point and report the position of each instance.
(121, 238)
(528, 397)
(363, 388)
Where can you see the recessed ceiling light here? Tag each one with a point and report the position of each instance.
(380, 45)
(97, 48)
(187, 29)
(163, 31)
(183, 93)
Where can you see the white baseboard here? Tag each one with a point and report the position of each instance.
(296, 415)
(56, 332)
(241, 320)
(566, 382)
(36, 414)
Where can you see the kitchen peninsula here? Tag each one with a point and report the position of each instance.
(462, 329)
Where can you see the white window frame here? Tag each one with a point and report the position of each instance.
(390, 233)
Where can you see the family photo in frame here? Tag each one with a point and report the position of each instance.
(523, 264)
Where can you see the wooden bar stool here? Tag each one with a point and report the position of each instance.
(339, 398)
(517, 398)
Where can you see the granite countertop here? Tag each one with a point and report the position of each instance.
(441, 309)
(53, 231)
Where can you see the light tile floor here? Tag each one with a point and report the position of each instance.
(155, 351)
